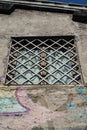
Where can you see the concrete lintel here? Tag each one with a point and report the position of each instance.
(7, 6)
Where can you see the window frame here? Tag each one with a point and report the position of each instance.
(70, 36)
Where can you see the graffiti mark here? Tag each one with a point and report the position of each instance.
(37, 128)
(82, 92)
(78, 128)
(11, 106)
(74, 117)
(35, 116)
(71, 106)
(2, 79)
(41, 98)
(83, 116)
(80, 116)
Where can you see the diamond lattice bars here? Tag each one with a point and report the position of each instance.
(43, 60)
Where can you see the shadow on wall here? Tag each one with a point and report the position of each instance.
(78, 128)
(37, 128)
(75, 128)
(40, 128)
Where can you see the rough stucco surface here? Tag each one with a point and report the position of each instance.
(42, 107)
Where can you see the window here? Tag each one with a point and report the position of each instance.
(43, 60)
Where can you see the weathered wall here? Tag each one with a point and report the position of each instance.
(46, 109)
(34, 23)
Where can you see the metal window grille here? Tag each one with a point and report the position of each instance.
(43, 60)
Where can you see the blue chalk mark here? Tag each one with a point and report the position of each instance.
(77, 128)
(71, 106)
(74, 117)
(9, 104)
(81, 92)
(83, 116)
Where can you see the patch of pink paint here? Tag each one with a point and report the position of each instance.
(36, 114)
(2, 79)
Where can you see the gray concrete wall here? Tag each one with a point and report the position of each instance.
(35, 23)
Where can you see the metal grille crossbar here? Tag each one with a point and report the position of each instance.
(43, 60)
